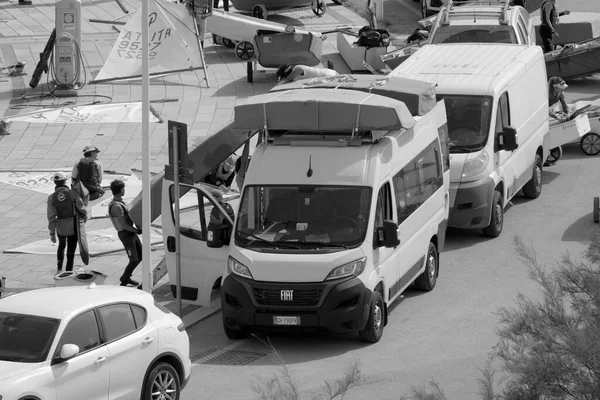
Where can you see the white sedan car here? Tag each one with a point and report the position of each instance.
(91, 342)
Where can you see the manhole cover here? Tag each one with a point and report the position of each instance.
(226, 357)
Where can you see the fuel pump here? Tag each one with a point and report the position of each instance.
(67, 45)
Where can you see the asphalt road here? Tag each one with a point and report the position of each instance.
(445, 335)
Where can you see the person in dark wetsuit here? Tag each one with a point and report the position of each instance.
(549, 21)
(62, 206)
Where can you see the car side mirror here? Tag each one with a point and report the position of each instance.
(507, 139)
(389, 234)
(67, 351)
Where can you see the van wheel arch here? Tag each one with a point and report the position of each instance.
(381, 289)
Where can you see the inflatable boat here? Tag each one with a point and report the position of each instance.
(574, 60)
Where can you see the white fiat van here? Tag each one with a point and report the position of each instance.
(344, 205)
(496, 98)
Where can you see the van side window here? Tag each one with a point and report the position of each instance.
(502, 117)
(407, 187)
(383, 209)
(192, 220)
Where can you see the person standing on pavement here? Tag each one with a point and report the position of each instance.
(549, 21)
(88, 170)
(61, 210)
(128, 233)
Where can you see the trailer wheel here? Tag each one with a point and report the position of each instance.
(318, 7)
(596, 209)
(590, 143)
(554, 154)
(244, 51)
(259, 11)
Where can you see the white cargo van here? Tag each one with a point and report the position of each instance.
(496, 98)
(344, 205)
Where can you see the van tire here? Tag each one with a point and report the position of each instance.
(234, 334)
(427, 280)
(533, 188)
(494, 229)
(374, 329)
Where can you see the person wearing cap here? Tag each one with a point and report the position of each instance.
(88, 170)
(126, 230)
(62, 206)
(556, 89)
(224, 174)
(291, 73)
(549, 21)
(219, 228)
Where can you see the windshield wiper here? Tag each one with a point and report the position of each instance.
(322, 244)
(268, 242)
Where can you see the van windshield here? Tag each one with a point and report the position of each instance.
(303, 217)
(468, 121)
(474, 34)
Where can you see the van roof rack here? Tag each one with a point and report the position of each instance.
(496, 8)
(325, 139)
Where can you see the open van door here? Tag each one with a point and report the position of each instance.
(201, 266)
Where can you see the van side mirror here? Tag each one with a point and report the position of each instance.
(507, 139)
(388, 234)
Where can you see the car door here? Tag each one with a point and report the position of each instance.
(132, 343)
(201, 266)
(87, 374)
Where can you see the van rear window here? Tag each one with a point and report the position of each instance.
(474, 34)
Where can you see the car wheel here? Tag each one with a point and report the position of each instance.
(533, 188)
(426, 281)
(590, 143)
(497, 221)
(162, 383)
(596, 209)
(374, 329)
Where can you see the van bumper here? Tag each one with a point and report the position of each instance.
(338, 306)
(471, 208)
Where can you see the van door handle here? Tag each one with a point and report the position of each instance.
(148, 340)
(100, 360)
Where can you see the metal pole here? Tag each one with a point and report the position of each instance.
(175, 134)
(147, 281)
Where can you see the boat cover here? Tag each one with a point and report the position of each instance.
(576, 60)
(417, 96)
(318, 110)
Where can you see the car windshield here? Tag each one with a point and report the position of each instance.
(26, 338)
(474, 34)
(303, 217)
(468, 121)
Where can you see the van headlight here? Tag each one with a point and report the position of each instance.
(353, 268)
(475, 166)
(237, 268)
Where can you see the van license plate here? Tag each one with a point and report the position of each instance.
(286, 320)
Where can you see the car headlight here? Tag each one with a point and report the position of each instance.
(353, 268)
(236, 267)
(475, 166)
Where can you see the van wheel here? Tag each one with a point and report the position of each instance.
(426, 281)
(234, 334)
(374, 329)
(533, 188)
(497, 221)
(163, 379)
